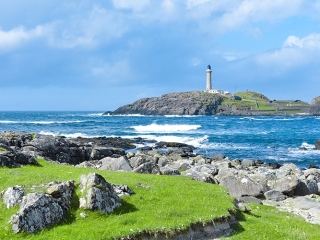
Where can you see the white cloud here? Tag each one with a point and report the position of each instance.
(195, 62)
(17, 36)
(311, 41)
(136, 5)
(295, 52)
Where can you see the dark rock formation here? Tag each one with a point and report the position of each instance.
(184, 103)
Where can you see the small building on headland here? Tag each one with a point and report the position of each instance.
(209, 84)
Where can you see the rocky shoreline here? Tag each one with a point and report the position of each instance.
(248, 180)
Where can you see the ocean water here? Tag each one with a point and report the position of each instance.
(270, 139)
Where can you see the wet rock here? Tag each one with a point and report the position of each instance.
(98, 194)
(13, 196)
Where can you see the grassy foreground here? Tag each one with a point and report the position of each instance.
(160, 203)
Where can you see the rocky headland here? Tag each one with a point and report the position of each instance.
(206, 103)
(247, 180)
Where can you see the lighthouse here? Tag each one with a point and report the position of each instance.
(208, 85)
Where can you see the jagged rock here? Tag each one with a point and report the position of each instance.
(166, 170)
(37, 211)
(13, 196)
(122, 190)
(130, 155)
(239, 187)
(183, 103)
(148, 167)
(98, 194)
(288, 169)
(114, 164)
(7, 162)
(306, 187)
(15, 139)
(25, 158)
(218, 157)
(62, 192)
(86, 164)
(224, 164)
(312, 172)
(98, 153)
(163, 161)
(137, 161)
(274, 195)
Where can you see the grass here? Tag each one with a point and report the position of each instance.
(163, 203)
(2, 149)
(264, 222)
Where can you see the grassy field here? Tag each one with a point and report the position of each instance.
(162, 203)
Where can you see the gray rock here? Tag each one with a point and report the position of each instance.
(86, 164)
(13, 196)
(62, 192)
(288, 169)
(98, 153)
(199, 176)
(249, 199)
(182, 103)
(312, 172)
(166, 170)
(274, 195)
(239, 187)
(147, 167)
(122, 190)
(114, 164)
(306, 187)
(7, 162)
(163, 161)
(247, 163)
(182, 165)
(218, 157)
(285, 184)
(98, 194)
(37, 211)
(137, 161)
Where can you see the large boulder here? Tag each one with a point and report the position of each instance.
(198, 175)
(98, 153)
(114, 164)
(306, 187)
(241, 186)
(39, 210)
(25, 158)
(5, 161)
(274, 195)
(13, 196)
(148, 167)
(98, 194)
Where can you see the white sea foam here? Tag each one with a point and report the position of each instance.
(67, 135)
(180, 116)
(40, 122)
(8, 122)
(165, 128)
(96, 114)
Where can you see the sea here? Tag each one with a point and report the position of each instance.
(281, 139)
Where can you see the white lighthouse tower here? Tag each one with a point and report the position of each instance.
(208, 86)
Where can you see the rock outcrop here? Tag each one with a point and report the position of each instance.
(184, 103)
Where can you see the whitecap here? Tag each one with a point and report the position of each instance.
(165, 128)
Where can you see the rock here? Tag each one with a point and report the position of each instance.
(289, 169)
(182, 165)
(274, 195)
(166, 170)
(137, 161)
(122, 190)
(98, 194)
(312, 172)
(199, 176)
(148, 167)
(218, 157)
(183, 103)
(37, 211)
(86, 164)
(306, 187)
(316, 101)
(235, 163)
(163, 161)
(178, 146)
(114, 164)
(13, 196)
(285, 184)
(62, 192)
(25, 158)
(83, 215)
(7, 162)
(98, 153)
(238, 187)
(248, 163)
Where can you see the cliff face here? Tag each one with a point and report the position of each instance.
(182, 103)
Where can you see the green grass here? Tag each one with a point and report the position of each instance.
(2, 149)
(169, 202)
(264, 222)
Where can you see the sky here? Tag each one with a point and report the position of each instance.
(99, 55)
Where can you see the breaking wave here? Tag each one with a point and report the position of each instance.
(165, 128)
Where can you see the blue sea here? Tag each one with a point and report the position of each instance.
(270, 139)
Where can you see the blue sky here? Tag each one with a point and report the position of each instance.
(99, 55)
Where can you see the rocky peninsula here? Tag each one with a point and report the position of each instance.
(247, 180)
(246, 103)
